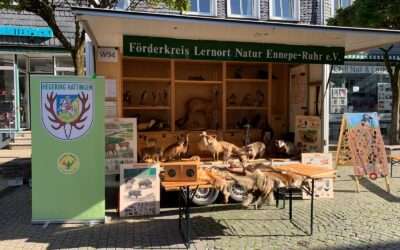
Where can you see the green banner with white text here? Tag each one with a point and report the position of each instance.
(139, 46)
(67, 149)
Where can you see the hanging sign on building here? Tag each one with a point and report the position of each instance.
(28, 31)
(230, 51)
(67, 132)
(107, 54)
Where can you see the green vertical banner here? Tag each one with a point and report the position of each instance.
(67, 149)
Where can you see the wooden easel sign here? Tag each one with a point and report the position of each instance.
(361, 143)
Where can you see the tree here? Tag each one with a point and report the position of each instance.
(378, 14)
(46, 9)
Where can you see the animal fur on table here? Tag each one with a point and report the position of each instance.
(258, 181)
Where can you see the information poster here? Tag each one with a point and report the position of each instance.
(67, 149)
(366, 145)
(323, 188)
(121, 143)
(308, 133)
(338, 100)
(139, 189)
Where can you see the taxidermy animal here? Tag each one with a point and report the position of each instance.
(152, 154)
(216, 147)
(176, 150)
(219, 180)
(254, 150)
(286, 148)
(204, 109)
(146, 98)
(259, 98)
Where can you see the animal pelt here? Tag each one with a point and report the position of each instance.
(177, 150)
(220, 180)
(258, 186)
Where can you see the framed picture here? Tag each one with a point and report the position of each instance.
(121, 143)
(139, 191)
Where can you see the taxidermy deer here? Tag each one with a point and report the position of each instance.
(176, 150)
(200, 113)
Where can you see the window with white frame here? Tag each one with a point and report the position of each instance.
(284, 9)
(341, 4)
(202, 7)
(243, 8)
(64, 65)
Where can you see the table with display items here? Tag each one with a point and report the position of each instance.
(187, 190)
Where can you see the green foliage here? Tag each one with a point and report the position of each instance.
(369, 13)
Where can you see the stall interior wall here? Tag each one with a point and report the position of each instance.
(172, 98)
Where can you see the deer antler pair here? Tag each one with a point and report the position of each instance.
(83, 98)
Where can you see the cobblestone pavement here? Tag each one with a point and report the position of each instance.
(369, 219)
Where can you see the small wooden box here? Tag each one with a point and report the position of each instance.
(181, 170)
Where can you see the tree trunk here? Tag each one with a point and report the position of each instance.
(78, 59)
(395, 130)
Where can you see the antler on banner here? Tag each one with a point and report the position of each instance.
(84, 99)
(53, 116)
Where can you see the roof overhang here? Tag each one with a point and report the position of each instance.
(107, 27)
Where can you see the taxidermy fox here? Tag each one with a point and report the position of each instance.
(176, 150)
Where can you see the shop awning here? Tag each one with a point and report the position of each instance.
(107, 27)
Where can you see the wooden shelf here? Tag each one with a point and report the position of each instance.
(197, 82)
(246, 80)
(246, 108)
(147, 107)
(146, 79)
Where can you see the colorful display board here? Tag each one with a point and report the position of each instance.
(139, 192)
(308, 133)
(67, 149)
(323, 187)
(121, 143)
(361, 141)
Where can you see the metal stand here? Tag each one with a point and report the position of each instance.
(184, 214)
(310, 191)
(393, 163)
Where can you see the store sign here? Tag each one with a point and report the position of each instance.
(106, 54)
(14, 30)
(358, 69)
(68, 144)
(139, 46)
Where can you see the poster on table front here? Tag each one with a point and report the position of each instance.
(67, 149)
(139, 192)
(366, 146)
(121, 143)
(308, 133)
(323, 188)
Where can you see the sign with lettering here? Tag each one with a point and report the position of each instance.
(68, 144)
(13, 30)
(230, 51)
(106, 54)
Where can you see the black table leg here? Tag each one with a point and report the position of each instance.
(184, 214)
(290, 204)
(312, 208)
(391, 168)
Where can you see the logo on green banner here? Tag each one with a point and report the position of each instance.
(67, 109)
(68, 163)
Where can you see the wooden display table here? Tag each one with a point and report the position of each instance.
(184, 188)
(310, 172)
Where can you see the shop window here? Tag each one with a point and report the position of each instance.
(202, 7)
(7, 99)
(41, 65)
(243, 8)
(64, 65)
(6, 61)
(284, 9)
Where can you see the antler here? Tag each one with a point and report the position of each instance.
(84, 98)
(54, 118)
